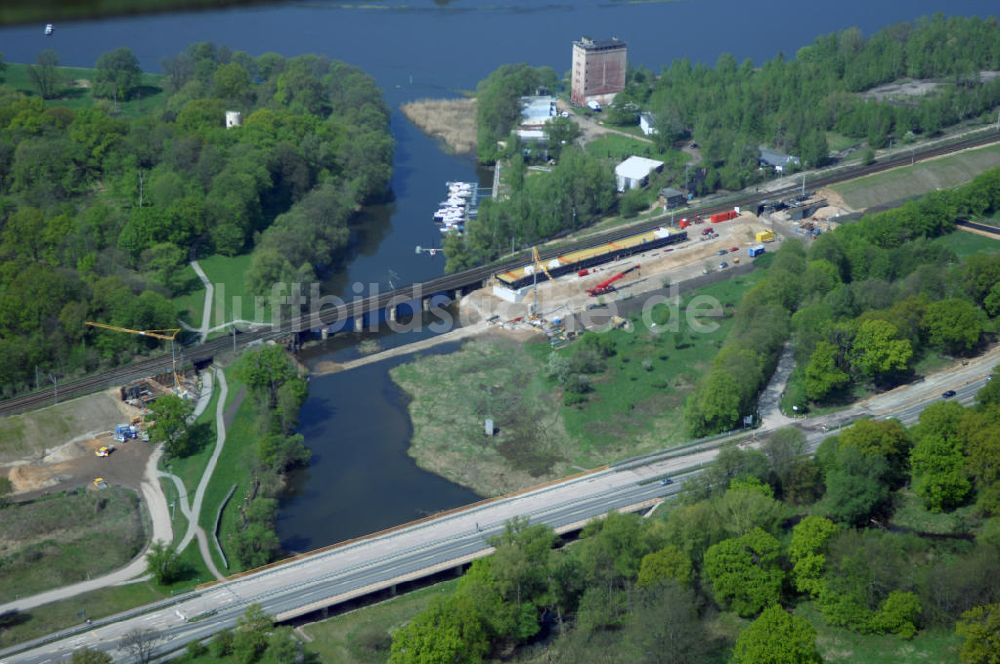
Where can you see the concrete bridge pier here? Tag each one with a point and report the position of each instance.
(324, 333)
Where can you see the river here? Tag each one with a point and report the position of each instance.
(356, 424)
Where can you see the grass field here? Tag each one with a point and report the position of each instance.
(67, 537)
(841, 645)
(910, 181)
(452, 393)
(617, 148)
(966, 244)
(910, 513)
(362, 636)
(68, 613)
(231, 298)
(635, 406)
(75, 91)
(233, 468)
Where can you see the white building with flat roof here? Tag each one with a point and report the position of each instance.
(634, 172)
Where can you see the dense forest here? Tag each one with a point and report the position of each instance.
(770, 541)
(790, 104)
(100, 211)
(862, 305)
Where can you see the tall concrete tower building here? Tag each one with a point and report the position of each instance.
(598, 69)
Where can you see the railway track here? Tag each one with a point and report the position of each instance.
(447, 283)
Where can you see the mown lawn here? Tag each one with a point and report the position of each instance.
(231, 299)
(76, 92)
(909, 181)
(233, 468)
(363, 636)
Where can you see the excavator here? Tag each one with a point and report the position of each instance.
(607, 285)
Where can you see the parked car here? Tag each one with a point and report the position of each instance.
(733, 250)
(722, 252)
(723, 265)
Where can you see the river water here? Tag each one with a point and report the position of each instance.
(361, 479)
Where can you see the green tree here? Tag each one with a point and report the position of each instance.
(938, 462)
(980, 627)
(806, 553)
(171, 426)
(444, 633)
(777, 637)
(232, 82)
(855, 486)
(898, 614)
(163, 562)
(90, 656)
(44, 74)
(667, 564)
(264, 371)
(745, 572)
(823, 375)
(887, 439)
(282, 647)
(250, 638)
(664, 628)
(877, 351)
(280, 453)
(954, 325)
(118, 74)
(743, 508)
(164, 262)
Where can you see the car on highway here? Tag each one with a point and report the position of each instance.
(949, 394)
(665, 481)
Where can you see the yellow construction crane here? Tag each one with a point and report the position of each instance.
(537, 264)
(169, 334)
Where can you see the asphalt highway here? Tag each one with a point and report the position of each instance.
(444, 542)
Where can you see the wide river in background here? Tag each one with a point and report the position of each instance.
(356, 424)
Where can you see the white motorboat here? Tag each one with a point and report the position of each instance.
(49, 29)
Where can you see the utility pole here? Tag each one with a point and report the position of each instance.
(803, 184)
(55, 383)
(140, 187)
(233, 328)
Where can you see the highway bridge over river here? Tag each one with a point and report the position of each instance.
(372, 564)
(363, 310)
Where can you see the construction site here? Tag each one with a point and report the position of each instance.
(94, 441)
(550, 295)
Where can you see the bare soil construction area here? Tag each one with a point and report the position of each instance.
(56, 446)
(451, 120)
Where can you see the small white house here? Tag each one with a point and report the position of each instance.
(646, 122)
(233, 119)
(634, 172)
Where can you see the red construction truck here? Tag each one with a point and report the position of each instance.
(723, 216)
